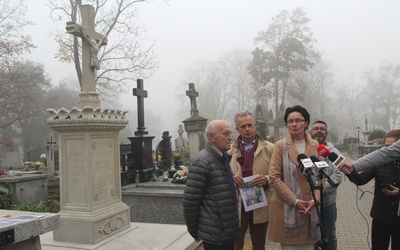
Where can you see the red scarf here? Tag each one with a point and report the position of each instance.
(248, 155)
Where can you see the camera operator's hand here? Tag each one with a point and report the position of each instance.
(394, 192)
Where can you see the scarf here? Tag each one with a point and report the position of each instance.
(295, 221)
(248, 155)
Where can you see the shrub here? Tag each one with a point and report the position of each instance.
(6, 199)
(377, 135)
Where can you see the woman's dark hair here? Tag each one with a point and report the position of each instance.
(393, 133)
(301, 110)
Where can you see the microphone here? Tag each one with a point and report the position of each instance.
(323, 150)
(306, 166)
(336, 160)
(321, 165)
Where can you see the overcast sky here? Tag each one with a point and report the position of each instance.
(351, 35)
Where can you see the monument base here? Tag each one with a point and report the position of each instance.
(92, 227)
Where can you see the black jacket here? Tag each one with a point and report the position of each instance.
(384, 207)
(209, 200)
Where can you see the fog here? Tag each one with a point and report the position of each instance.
(351, 35)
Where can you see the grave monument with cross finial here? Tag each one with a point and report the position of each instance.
(91, 207)
(141, 143)
(195, 125)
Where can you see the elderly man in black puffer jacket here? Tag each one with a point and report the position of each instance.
(210, 199)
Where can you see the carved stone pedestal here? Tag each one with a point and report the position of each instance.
(90, 180)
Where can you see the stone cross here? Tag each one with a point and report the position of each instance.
(180, 131)
(91, 44)
(51, 143)
(192, 93)
(141, 94)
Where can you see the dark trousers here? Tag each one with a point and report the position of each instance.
(258, 232)
(208, 246)
(381, 235)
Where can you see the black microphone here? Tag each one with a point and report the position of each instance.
(321, 165)
(306, 166)
(336, 160)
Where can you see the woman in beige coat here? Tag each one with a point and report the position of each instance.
(293, 220)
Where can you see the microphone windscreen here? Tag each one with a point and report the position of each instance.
(323, 150)
(333, 156)
(314, 158)
(301, 156)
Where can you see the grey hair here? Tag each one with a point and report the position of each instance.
(242, 114)
(211, 127)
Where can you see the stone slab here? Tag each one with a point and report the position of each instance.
(140, 236)
(26, 230)
(31, 188)
(155, 202)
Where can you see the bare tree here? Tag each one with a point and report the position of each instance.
(224, 86)
(124, 58)
(349, 108)
(23, 87)
(382, 95)
(12, 42)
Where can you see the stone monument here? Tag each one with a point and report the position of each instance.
(260, 121)
(141, 143)
(50, 155)
(181, 144)
(91, 44)
(195, 125)
(91, 207)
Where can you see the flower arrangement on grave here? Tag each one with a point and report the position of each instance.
(181, 175)
(36, 165)
(43, 159)
(177, 156)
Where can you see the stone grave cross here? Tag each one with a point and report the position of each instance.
(51, 143)
(192, 94)
(141, 94)
(91, 44)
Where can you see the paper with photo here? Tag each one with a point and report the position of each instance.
(253, 197)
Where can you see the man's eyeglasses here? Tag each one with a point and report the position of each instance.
(295, 121)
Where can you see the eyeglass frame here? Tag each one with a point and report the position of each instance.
(295, 121)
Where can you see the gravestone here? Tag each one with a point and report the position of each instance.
(260, 121)
(181, 144)
(195, 125)
(50, 160)
(91, 207)
(141, 143)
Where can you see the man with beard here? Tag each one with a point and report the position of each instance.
(319, 132)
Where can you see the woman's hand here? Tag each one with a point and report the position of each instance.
(305, 206)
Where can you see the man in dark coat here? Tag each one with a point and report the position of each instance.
(210, 199)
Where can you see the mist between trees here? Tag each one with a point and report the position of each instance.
(283, 69)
